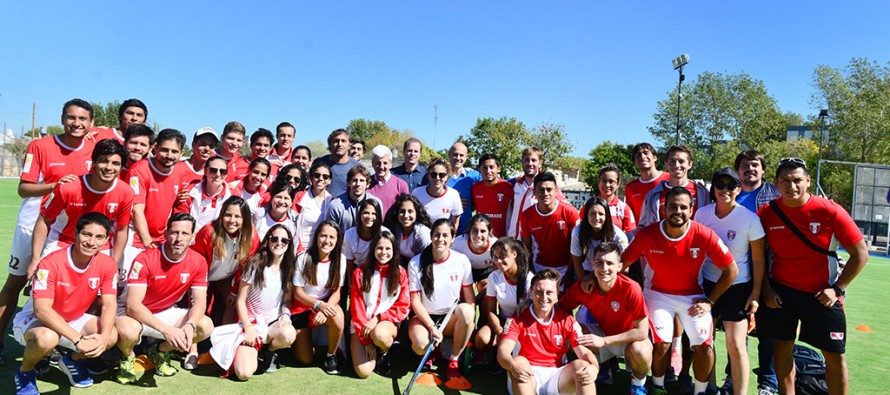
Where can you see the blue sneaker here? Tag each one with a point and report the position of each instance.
(76, 371)
(638, 390)
(26, 383)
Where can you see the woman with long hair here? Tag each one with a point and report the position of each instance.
(379, 302)
(410, 224)
(439, 200)
(205, 199)
(313, 204)
(502, 295)
(290, 175)
(437, 278)
(278, 212)
(319, 274)
(264, 298)
(594, 228)
(357, 240)
(608, 181)
(476, 245)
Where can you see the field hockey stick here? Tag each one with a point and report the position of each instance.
(430, 347)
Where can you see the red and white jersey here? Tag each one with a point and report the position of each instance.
(479, 260)
(189, 176)
(377, 301)
(322, 274)
(675, 264)
(264, 222)
(737, 230)
(253, 199)
(450, 276)
(47, 160)
(589, 255)
(551, 233)
(356, 248)
(544, 342)
(494, 201)
(446, 205)
(265, 301)
(284, 158)
(73, 290)
(103, 133)
(242, 167)
(225, 266)
(826, 224)
(157, 191)
(230, 164)
(502, 290)
(622, 216)
(166, 280)
(653, 205)
(523, 198)
(69, 201)
(616, 311)
(202, 207)
(311, 211)
(635, 192)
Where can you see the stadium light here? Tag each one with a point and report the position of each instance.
(679, 62)
(823, 113)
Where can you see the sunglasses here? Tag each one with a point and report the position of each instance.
(438, 175)
(321, 176)
(276, 239)
(732, 185)
(295, 179)
(792, 161)
(216, 170)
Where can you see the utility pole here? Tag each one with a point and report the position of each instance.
(33, 113)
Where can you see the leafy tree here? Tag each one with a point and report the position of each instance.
(608, 152)
(503, 137)
(319, 148)
(392, 138)
(106, 115)
(364, 128)
(552, 140)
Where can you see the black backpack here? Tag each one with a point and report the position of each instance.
(810, 378)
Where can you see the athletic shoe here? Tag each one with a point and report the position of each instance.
(54, 357)
(727, 386)
(670, 376)
(604, 377)
(26, 383)
(266, 361)
(764, 389)
(126, 371)
(76, 372)
(42, 366)
(638, 390)
(190, 362)
(96, 367)
(161, 360)
(332, 364)
(453, 369)
(684, 384)
(656, 390)
(384, 365)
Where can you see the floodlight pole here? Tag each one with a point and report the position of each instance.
(680, 62)
(822, 115)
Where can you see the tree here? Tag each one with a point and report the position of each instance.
(552, 140)
(608, 152)
(503, 137)
(364, 129)
(319, 148)
(106, 115)
(392, 138)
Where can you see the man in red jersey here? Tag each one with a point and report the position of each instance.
(807, 286)
(66, 284)
(230, 145)
(49, 162)
(202, 150)
(545, 333)
(675, 250)
(156, 185)
(100, 191)
(547, 227)
(645, 159)
(283, 148)
(137, 141)
(617, 306)
(492, 196)
(160, 277)
(130, 112)
(260, 147)
(679, 162)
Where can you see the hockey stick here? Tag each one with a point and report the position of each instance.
(430, 347)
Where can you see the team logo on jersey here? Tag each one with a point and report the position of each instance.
(500, 197)
(183, 277)
(558, 339)
(730, 235)
(507, 325)
(694, 252)
(93, 282)
(29, 159)
(615, 306)
(134, 183)
(112, 207)
(446, 210)
(40, 279)
(89, 164)
(815, 226)
(837, 335)
(562, 225)
(453, 277)
(134, 272)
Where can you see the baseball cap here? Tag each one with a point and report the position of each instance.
(207, 131)
(728, 172)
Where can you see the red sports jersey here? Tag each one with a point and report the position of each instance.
(824, 223)
(622, 216)
(242, 166)
(73, 290)
(103, 133)
(676, 263)
(543, 343)
(494, 201)
(636, 190)
(616, 311)
(158, 192)
(377, 302)
(551, 233)
(69, 201)
(188, 177)
(166, 281)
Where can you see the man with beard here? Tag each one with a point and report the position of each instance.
(137, 141)
(338, 160)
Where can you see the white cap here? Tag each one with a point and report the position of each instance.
(205, 131)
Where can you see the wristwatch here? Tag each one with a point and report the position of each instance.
(839, 291)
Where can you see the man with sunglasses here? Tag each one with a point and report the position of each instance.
(806, 284)
(384, 185)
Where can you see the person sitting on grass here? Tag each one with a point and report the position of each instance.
(159, 278)
(438, 277)
(379, 303)
(319, 274)
(64, 287)
(545, 333)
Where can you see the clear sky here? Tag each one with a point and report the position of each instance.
(596, 67)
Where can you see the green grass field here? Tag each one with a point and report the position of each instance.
(865, 351)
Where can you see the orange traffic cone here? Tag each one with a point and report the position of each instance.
(428, 379)
(864, 328)
(458, 383)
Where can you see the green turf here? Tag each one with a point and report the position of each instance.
(866, 352)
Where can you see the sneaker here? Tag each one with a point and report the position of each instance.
(384, 365)
(126, 371)
(764, 389)
(453, 369)
(604, 377)
(96, 366)
(656, 390)
(396, 347)
(76, 372)
(670, 376)
(42, 366)
(54, 357)
(161, 360)
(190, 362)
(684, 384)
(266, 361)
(332, 364)
(727, 387)
(638, 390)
(26, 383)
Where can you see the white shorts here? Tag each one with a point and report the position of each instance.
(172, 316)
(663, 307)
(546, 380)
(603, 354)
(20, 253)
(24, 321)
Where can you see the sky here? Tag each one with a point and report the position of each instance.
(598, 68)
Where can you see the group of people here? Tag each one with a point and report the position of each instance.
(125, 245)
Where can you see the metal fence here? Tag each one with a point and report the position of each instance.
(870, 207)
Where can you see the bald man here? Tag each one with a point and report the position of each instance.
(462, 180)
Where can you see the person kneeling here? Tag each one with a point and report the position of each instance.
(158, 279)
(544, 334)
(65, 285)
